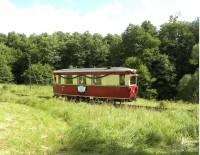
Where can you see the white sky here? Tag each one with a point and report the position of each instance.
(110, 18)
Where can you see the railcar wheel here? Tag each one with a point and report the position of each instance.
(55, 96)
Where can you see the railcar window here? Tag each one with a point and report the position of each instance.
(68, 79)
(122, 80)
(59, 79)
(96, 80)
(133, 80)
(82, 80)
(54, 78)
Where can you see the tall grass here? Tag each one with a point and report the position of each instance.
(105, 129)
(26, 130)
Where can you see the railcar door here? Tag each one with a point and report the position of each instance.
(133, 86)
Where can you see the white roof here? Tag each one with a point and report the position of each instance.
(93, 70)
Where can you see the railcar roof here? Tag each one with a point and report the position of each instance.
(96, 70)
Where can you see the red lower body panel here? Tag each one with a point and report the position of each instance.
(125, 92)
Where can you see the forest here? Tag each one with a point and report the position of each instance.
(167, 59)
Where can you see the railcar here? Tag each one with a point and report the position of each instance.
(109, 83)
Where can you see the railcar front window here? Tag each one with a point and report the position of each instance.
(122, 80)
(133, 80)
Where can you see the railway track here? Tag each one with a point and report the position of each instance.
(155, 108)
(115, 104)
(118, 104)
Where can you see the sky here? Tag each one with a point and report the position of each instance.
(95, 16)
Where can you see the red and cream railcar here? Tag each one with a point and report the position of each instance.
(115, 83)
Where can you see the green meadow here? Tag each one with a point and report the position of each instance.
(34, 123)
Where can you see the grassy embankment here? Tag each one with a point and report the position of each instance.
(31, 122)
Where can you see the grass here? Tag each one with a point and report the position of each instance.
(173, 105)
(26, 130)
(31, 122)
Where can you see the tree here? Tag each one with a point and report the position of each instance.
(71, 54)
(20, 45)
(3, 38)
(143, 44)
(6, 60)
(135, 40)
(150, 28)
(39, 74)
(5, 71)
(195, 55)
(115, 54)
(195, 29)
(164, 75)
(177, 40)
(162, 72)
(43, 49)
(95, 49)
(8, 53)
(188, 87)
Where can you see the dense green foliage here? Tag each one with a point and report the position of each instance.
(34, 123)
(162, 57)
(5, 72)
(6, 58)
(188, 88)
(40, 74)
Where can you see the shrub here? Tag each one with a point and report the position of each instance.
(5, 71)
(188, 88)
(151, 94)
(39, 74)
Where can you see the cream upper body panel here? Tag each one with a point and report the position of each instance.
(109, 80)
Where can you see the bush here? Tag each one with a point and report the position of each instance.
(150, 94)
(39, 74)
(188, 88)
(5, 71)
